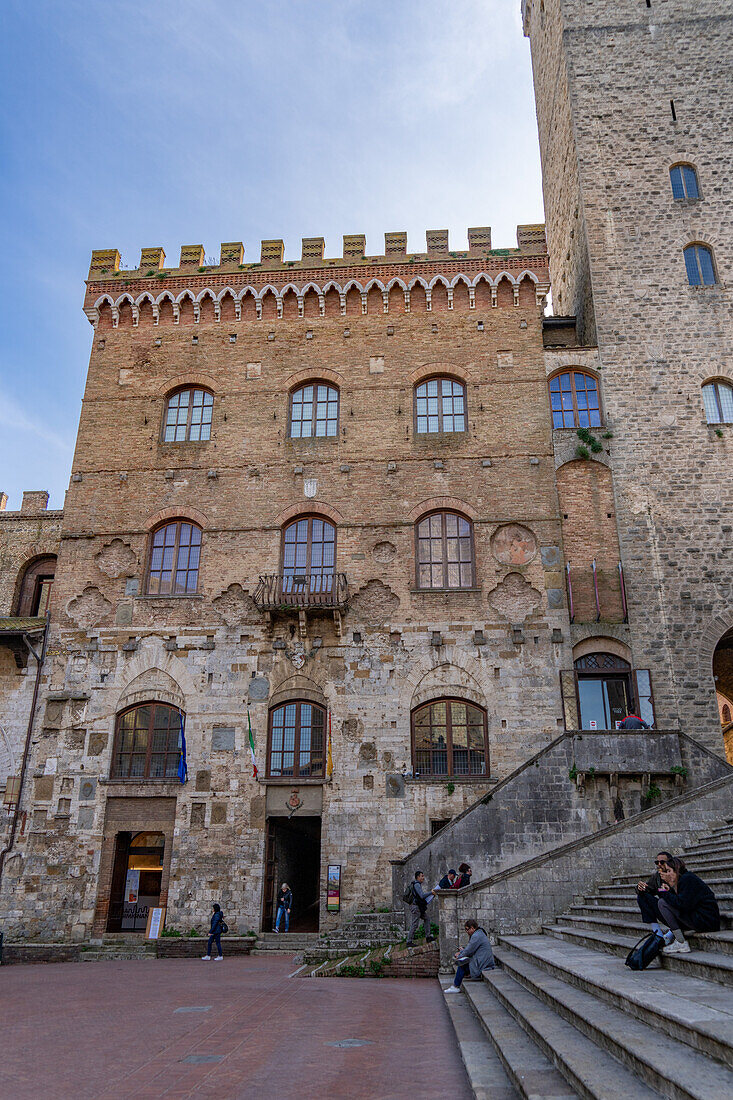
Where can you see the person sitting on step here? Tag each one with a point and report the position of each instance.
(474, 958)
(675, 897)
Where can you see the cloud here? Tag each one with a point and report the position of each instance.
(14, 418)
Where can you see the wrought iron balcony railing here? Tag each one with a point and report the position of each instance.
(298, 592)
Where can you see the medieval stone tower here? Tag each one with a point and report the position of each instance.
(634, 106)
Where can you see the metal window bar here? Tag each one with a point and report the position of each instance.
(570, 592)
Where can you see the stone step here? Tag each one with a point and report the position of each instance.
(708, 965)
(706, 869)
(701, 941)
(530, 1071)
(486, 1074)
(665, 1065)
(632, 913)
(694, 1011)
(587, 1068)
(708, 848)
(722, 830)
(720, 886)
(628, 897)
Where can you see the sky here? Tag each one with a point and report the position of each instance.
(143, 123)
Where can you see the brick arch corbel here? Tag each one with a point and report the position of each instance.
(439, 504)
(429, 370)
(309, 508)
(191, 378)
(430, 678)
(712, 632)
(602, 643)
(192, 514)
(723, 373)
(311, 374)
(156, 659)
(298, 686)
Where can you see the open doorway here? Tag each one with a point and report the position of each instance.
(137, 873)
(723, 676)
(293, 855)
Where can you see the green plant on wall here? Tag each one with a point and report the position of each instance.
(588, 443)
(450, 787)
(573, 773)
(652, 794)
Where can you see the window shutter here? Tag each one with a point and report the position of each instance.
(569, 699)
(644, 696)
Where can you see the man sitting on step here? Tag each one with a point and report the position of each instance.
(474, 958)
(678, 899)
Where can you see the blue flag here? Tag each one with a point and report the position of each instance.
(182, 765)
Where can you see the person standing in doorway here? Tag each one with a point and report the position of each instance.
(215, 930)
(284, 905)
(419, 909)
(633, 722)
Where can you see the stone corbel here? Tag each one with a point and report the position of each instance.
(493, 296)
(472, 297)
(450, 297)
(217, 311)
(135, 316)
(92, 316)
(337, 622)
(279, 306)
(385, 299)
(363, 301)
(301, 305)
(115, 316)
(302, 623)
(541, 293)
(515, 288)
(258, 308)
(156, 313)
(176, 312)
(238, 309)
(196, 312)
(321, 304)
(342, 300)
(407, 301)
(429, 299)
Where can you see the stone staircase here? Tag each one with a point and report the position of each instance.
(284, 943)
(361, 932)
(116, 946)
(563, 1017)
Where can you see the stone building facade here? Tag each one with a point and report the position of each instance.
(633, 104)
(345, 501)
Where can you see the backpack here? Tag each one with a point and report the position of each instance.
(409, 895)
(644, 952)
(224, 928)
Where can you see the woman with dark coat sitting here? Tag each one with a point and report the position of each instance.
(676, 897)
(474, 958)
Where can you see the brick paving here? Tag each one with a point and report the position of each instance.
(107, 1029)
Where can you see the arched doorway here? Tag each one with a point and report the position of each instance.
(34, 595)
(604, 690)
(723, 676)
(137, 873)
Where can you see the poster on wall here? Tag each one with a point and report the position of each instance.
(156, 921)
(333, 888)
(132, 887)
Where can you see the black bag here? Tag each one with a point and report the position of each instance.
(645, 951)
(409, 895)
(224, 928)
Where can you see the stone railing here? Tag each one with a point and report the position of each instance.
(567, 791)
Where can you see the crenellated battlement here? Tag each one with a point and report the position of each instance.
(140, 293)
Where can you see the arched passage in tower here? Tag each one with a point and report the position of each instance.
(723, 676)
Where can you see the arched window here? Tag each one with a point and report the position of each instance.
(147, 742)
(188, 416)
(449, 738)
(699, 265)
(309, 555)
(440, 406)
(726, 713)
(683, 178)
(35, 589)
(174, 559)
(444, 557)
(575, 400)
(297, 740)
(314, 411)
(718, 401)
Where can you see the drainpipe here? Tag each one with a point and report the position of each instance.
(39, 659)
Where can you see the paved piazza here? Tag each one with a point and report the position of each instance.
(241, 1028)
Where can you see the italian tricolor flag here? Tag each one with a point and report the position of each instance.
(252, 747)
